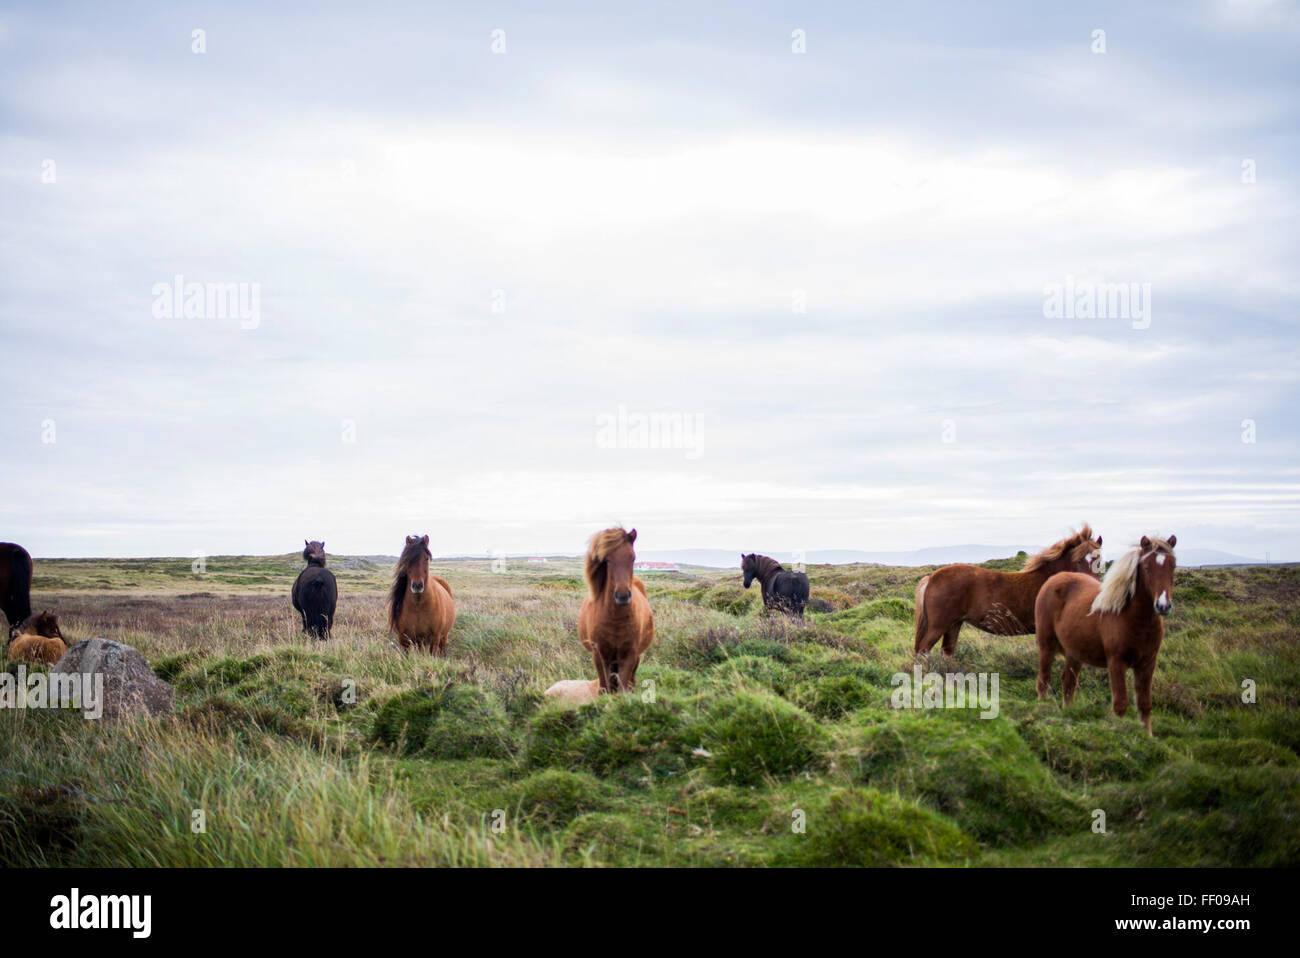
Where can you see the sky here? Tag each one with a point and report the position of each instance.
(740, 275)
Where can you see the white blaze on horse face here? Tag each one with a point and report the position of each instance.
(1160, 558)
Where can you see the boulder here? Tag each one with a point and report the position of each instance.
(131, 689)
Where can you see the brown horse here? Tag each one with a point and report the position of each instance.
(420, 607)
(1001, 603)
(615, 622)
(15, 584)
(39, 639)
(1116, 625)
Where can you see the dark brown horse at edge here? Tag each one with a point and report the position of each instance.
(421, 610)
(1116, 625)
(15, 584)
(783, 590)
(615, 623)
(1001, 603)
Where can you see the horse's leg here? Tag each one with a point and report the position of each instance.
(1046, 653)
(1142, 676)
(602, 673)
(950, 638)
(1118, 686)
(1069, 679)
(926, 642)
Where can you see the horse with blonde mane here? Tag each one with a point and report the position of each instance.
(1116, 625)
(421, 610)
(1001, 603)
(615, 623)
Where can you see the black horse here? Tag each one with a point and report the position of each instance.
(15, 583)
(315, 593)
(783, 591)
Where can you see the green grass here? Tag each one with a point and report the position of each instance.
(751, 742)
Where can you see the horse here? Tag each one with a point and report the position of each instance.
(39, 639)
(783, 591)
(1116, 625)
(421, 610)
(1001, 603)
(315, 592)
(574, 691)
(15, 583)
(615, 623)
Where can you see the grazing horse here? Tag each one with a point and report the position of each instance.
(39, 639)
(15, 584)
(421, 610)
(1116, 625)
(783, 591)
(315, 593)
(1001, 603)
(615, 623)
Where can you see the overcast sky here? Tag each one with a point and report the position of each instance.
(478, 272)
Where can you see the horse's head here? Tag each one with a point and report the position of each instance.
(313, 552)
(1078, 552)
(46, 624)
(620, 562)
(415, 563)
(749, 566)
(1156, 566)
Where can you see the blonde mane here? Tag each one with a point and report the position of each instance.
(1121, 578)
(1078, 545)
(599, 547)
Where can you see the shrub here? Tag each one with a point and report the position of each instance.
(755, 734)
(863, 828)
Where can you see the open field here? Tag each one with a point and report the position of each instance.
(750, 726)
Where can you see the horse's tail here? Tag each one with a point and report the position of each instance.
(19, 599)
(919, 617)
(799, 593)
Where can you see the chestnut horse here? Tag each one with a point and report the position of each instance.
(39, 639)
(1001, 603)
(15, 584)
(420, 607)
(615, 623)
(1116, 625)
(783, 590)
(315, 592)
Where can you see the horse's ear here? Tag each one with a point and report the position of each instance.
(424, 540)
(1145, 543)
(1173, 541)
(305, 542)
(410, 539)
(1098, 541)
(631, 536)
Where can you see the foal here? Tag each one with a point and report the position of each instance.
(1116, 625)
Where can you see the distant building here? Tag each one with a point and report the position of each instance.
(537, 559)
(656, 566)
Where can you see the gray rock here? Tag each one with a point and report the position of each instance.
(130, 686)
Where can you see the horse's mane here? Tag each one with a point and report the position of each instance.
(599, 547)
(1121, 578)
(312, 556)
(397, 594)
(1076, 545)
(764, 566)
